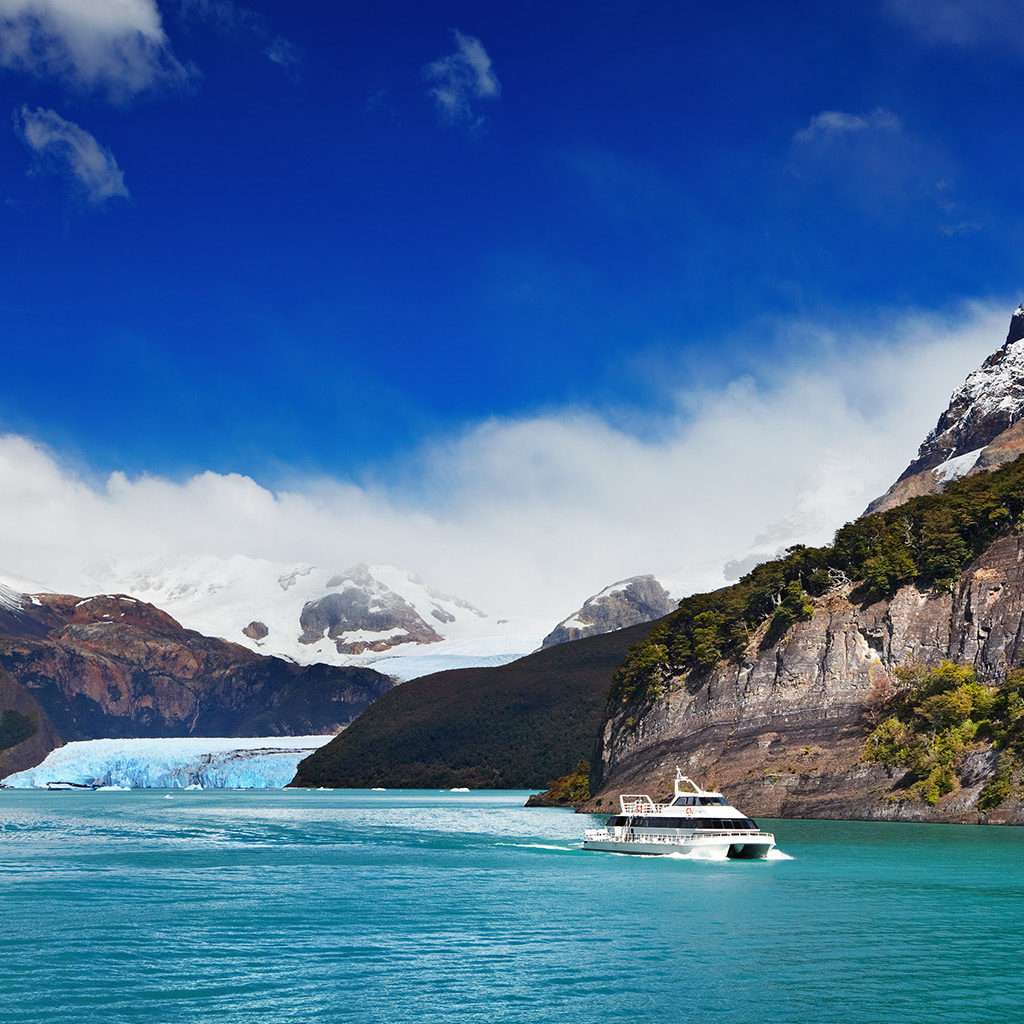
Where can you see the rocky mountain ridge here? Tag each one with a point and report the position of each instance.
(626, 603)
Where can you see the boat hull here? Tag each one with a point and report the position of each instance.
(707, 849)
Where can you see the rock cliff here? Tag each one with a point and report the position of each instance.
(112, 666)
(627, 603)
(782, 732)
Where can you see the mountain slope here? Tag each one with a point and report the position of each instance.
(515, 726)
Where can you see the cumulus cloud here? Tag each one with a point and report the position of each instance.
(116, 45)
(532, 515)
(830, 124)
(462, 78)
(62, 147)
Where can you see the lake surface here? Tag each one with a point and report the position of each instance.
(413, 906)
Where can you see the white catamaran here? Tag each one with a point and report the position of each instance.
(695, 822)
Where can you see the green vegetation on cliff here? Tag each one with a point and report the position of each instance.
(568, 791)
(512, 727)
(928, 541)
(936, 717)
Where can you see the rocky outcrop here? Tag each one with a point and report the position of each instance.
(783, 732)
(112, 666)
(256, 630)
(362, 614)
(979, 426)
(627, 603)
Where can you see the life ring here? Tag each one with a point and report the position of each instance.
(689, 810)
(639, 806)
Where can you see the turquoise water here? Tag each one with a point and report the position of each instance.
(441, 907)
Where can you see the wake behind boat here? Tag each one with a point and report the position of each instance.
(696, 822)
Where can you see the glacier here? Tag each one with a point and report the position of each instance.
(207, 763)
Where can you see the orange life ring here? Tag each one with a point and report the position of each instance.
(689, 810)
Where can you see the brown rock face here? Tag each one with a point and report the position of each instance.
(112, 666)
(782, 733)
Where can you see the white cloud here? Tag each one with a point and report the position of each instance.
(117, 45)
(460, 79)
(530, 516)
(834, 123)
(63, 148)
(997, 23)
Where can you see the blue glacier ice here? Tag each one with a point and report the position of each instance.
(207, 762)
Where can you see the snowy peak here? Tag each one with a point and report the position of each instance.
(973, 434)
(366, 614)
(363, 613)
(626, 603)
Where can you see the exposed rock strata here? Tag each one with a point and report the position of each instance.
(627, 603)
(783, 733)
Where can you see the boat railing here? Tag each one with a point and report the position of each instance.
(640, 803)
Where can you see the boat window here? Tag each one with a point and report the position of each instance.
(711, 824)
(683, 801)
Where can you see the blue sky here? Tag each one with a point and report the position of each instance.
(314, 267)
(313, 241)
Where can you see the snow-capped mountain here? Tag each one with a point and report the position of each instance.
(626, 603)
(363, 615)
(982, 428)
